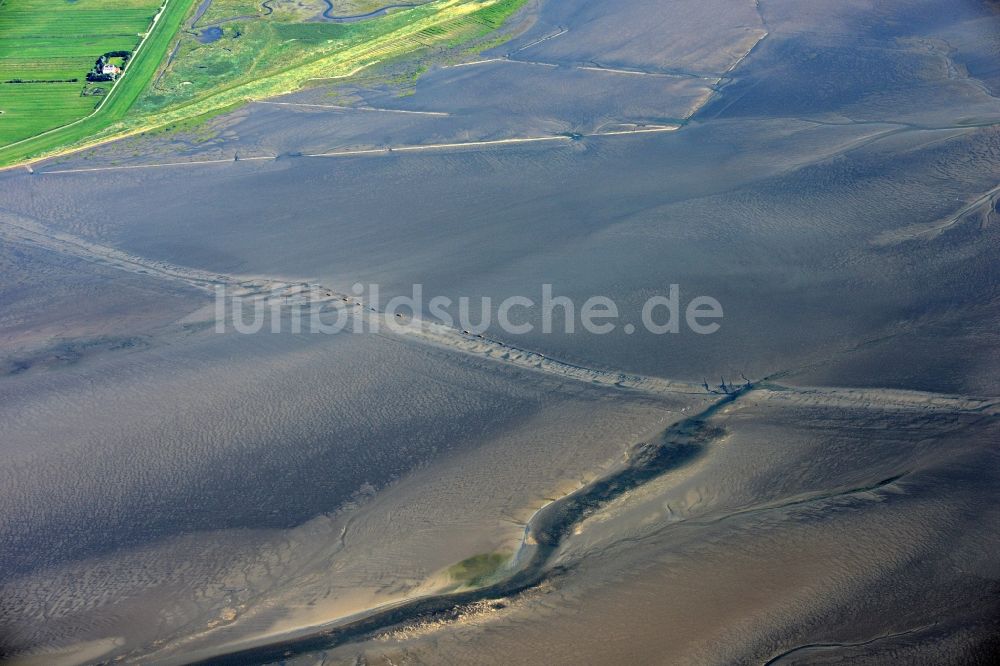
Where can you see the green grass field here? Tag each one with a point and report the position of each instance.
(47, 44)
(256, 58)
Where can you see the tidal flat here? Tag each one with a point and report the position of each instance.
(826, 171)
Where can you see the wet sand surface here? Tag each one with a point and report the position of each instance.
(828, 172)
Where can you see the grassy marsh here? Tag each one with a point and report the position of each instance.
(257, 58)
(478, 569)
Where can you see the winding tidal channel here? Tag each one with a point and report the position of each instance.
(330, 16)
(677, 446)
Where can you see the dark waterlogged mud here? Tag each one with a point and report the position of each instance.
(679, 445)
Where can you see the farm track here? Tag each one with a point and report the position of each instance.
(447, 21)
(118, 83)
(145, 61)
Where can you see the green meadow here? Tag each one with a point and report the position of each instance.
(46, 49)
(259, 56)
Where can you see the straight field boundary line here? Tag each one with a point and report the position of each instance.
(114, 86)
